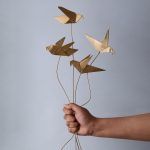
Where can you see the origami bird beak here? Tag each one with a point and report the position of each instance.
(112, 51)
(48, 48)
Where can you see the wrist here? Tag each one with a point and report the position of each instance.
(99, 126)
(92, 126)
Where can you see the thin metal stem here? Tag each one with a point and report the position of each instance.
(67, 142)
(80, 148)
(77, 87)
(60, 81)
(77, 143)
(95, 58)
(89, 91)
(73, 92)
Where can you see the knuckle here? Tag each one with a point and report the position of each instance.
(73, 124)
(66, 112)
(70, 118)
(67, 124)
(69, 112)
(65, 117)
(70, 130)
(74, 130)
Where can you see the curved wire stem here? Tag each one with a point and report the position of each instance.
(67, 142)
(77, 87)
(90, 91)
(60, 81)
(77, 142)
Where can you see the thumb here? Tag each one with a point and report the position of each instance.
(73, 106)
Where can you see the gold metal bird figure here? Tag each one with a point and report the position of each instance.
(69, 17)
(101, 46)
(83, 66)
(62, 50)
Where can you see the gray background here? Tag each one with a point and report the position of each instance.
(31, 100)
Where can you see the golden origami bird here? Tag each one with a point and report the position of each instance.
(62, 50)
(69, 17)
(83, 66)
(101, 46)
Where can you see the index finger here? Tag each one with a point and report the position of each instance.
(68, 111)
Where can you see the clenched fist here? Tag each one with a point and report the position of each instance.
(78, 119)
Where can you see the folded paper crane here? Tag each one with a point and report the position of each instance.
(101, 46)
(69, 17)
(83, 66)
(62, 50)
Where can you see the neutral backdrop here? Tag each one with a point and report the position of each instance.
(31, 100)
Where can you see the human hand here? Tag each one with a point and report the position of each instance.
(78, 119)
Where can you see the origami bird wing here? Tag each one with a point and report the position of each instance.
(70, 14)
(76, 64)
(69, 17)
(105, 41)
(78, 17)
(95, 43)
(70, 51)
(56, 48)
(65, 47)
(89, 69)
(59, 52)
(62, 19)
(66, 50)
(60, 42)
(85, 61)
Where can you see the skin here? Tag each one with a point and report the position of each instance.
(79, 120)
